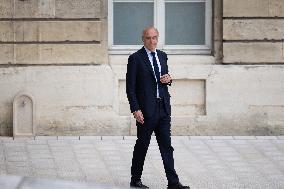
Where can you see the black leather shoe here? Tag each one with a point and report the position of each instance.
(178, 186)
(137, 184)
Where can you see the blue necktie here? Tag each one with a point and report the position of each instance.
(157, 73)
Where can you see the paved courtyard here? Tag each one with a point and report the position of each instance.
(206, 162)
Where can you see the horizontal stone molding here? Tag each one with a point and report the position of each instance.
(52, 53)
(253, 29)
(261, 52)
(253, 8)
(78, 9)
(50, 9)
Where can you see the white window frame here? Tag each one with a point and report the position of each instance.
(159, 14)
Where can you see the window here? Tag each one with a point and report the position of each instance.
(184, 25)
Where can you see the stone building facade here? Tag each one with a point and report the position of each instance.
(58, 52)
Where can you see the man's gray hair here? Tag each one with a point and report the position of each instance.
(148, 28)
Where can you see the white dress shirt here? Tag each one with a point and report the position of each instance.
(158, 62)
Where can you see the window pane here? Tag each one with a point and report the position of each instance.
(185, 23)
(129, 19)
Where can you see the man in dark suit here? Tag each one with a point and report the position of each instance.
(147, 81)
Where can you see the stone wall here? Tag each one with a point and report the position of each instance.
(56, 51)
(253, 31)
(52, 32)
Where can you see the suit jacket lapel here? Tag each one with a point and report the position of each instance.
(147, 62)
(162, 63)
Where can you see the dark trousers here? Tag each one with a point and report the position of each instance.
(160, 123)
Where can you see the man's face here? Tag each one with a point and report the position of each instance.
(150, 39)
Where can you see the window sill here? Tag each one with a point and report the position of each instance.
(168, 51)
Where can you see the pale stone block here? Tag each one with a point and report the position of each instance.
(253, 29)
(253, 8)
(26, 31)
(6, 8)
(59, 53)
(124, 108)
(188, 102)
(34, 9)
(6, 31)
(78, 9)
(75, 53)
(6, 53)
(253, 52)
(179, 126)
(72, 31)
(46, 8)
(58, 31)
(26, 53)
(246, 8)
(276, 8)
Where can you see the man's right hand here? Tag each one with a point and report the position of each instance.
(139, 116)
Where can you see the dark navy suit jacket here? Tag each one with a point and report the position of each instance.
(141, 86)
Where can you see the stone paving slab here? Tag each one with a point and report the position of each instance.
(203, 162)
(18, 182)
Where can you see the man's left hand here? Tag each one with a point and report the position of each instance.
(165, 79)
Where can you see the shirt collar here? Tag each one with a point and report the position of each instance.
(148, 51)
